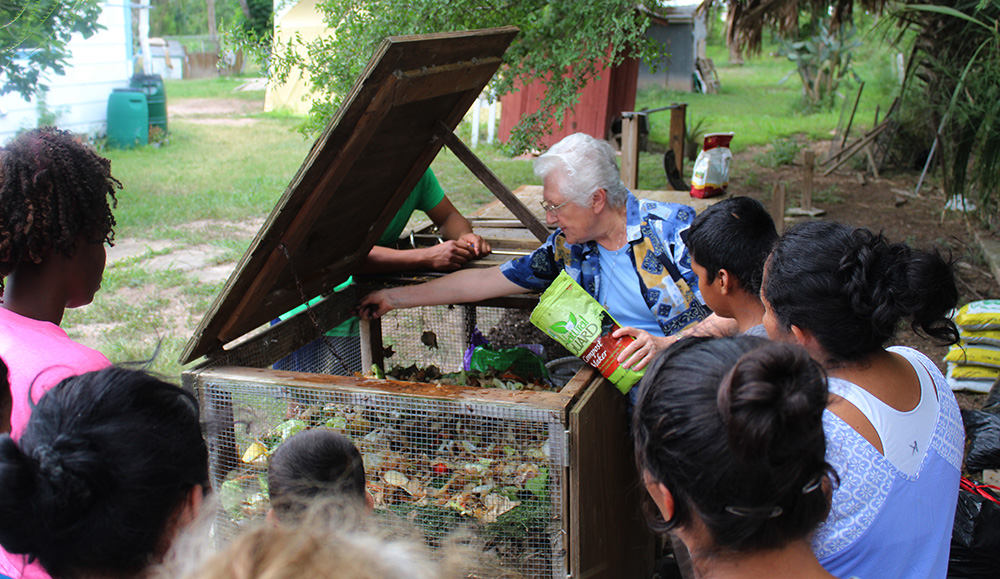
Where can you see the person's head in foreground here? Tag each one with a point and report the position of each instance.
(110, 465)
(841, 291)
(313, 551)
(729, 243)
(56, 197)
(315, 464)
(729, 441)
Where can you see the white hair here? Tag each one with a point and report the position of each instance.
(585, 164)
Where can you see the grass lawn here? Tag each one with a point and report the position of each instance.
(754, 103)
(219, 87)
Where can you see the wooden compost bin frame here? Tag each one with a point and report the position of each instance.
(300, 253)
(601, 494)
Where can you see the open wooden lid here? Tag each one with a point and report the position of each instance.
(356, 177)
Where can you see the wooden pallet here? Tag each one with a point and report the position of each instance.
(706, 73)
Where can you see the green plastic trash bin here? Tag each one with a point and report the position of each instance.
(156, 97)
(128, 118)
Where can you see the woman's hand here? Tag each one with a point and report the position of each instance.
(376, 304)
(641, 351)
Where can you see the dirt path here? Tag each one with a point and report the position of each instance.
(213, 110)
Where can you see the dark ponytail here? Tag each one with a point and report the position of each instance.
(850, 288)
(96, 480)
(733, 428)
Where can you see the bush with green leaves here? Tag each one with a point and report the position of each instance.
(956, 73)
(782, 152)
(33, 39)
(564, 43)
(252, 34)
(822, 61)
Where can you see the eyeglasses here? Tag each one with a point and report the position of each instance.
(550, 208)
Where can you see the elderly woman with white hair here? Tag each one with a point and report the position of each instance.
(626, 252)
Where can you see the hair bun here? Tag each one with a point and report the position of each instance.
(769, 400)
(887, 282)
(70, 491)
(875, 280)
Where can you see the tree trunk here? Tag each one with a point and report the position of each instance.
(213, 32)
(246, 8)
(735, 54)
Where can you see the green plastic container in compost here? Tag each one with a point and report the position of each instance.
(156, 96)
(128, 118)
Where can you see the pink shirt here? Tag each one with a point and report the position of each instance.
(38, 355)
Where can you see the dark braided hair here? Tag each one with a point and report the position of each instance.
(53, 189)
(851, 287)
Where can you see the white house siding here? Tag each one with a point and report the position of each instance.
(80, 97)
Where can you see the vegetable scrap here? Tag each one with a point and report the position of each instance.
(476, 468)
(475, 378)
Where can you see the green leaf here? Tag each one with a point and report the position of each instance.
(946, 11)
(290, 428)
(538, 485)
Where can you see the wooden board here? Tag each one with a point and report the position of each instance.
(608, 537)
(355, 178)
(531, 196)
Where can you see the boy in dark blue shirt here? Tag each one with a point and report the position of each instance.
(729, 243)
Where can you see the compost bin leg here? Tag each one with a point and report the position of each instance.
(371, 344)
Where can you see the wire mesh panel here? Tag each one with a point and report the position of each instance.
(437, 336)
(439, 463)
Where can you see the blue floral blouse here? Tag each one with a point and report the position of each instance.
(655, 233)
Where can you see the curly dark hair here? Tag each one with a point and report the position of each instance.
(53, 189)
(850, 287)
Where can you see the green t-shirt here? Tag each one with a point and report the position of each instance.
(425, 196)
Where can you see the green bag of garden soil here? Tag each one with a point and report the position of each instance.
(574, 319)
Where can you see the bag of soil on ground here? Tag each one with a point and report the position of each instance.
(577, 321)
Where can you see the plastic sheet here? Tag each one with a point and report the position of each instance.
(975, 539)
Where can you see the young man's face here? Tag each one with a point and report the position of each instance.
(711, 291)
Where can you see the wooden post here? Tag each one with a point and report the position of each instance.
(492, 182)
(371, 344)
(630, 151)
(872, 165)
(678, 116)
(470, 320)
(808, 169)
(474, 141)
(777, 207)
(805, 207)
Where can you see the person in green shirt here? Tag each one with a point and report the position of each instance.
(460, 245)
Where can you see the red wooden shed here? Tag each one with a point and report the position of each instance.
(601, 101)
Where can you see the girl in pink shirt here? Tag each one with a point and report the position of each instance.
(56, 197)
